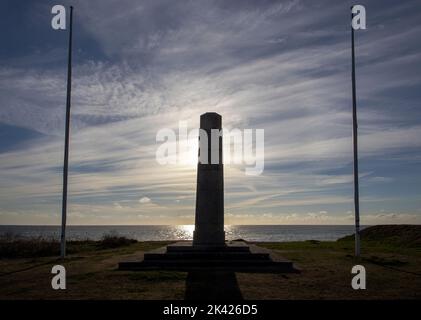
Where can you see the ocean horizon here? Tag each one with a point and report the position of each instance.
(264, 233)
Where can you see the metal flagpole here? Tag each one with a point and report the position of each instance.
(355, 139)
(66, 142)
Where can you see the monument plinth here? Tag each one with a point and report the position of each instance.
(209, 250)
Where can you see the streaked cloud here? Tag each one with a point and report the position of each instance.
(281, 66)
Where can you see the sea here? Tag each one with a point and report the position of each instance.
(263, 233)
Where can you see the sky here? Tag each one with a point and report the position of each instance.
(141, 66)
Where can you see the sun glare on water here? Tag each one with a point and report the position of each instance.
(184, 232)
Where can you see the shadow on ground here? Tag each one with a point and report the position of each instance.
(213, 285)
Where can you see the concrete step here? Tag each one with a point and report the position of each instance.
(212, 262)
(190, 248)
(236, 266)
(206, 256)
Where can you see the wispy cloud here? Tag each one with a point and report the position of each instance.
(278, 66)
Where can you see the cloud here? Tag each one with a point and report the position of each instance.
(312, 218)
(145, 200)
(278, 66)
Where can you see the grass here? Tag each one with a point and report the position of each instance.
(393, 272)
(16, 247)
(407, 236)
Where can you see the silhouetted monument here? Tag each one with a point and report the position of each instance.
(209, 250)
(209, 218)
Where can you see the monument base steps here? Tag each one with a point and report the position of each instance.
(234, 256)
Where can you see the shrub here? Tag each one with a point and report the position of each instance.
(110, 241)
(14, 247)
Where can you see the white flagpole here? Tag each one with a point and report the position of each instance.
(355, 140)
(66, 142)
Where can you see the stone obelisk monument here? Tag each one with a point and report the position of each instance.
(208, 250)
(209, 217)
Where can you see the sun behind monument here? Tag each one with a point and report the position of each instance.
(209, 250)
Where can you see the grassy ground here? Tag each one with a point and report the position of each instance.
(393, 272)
